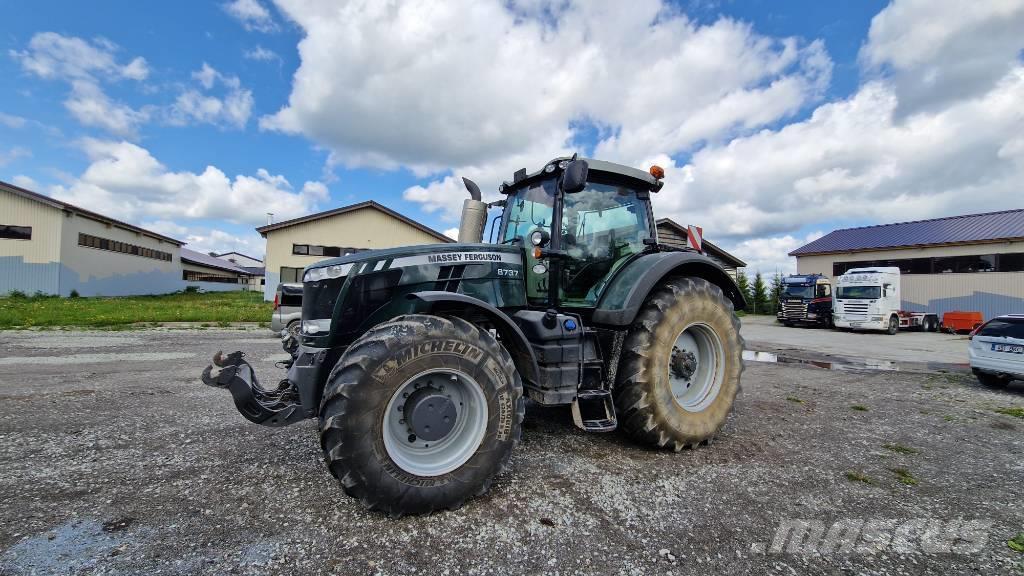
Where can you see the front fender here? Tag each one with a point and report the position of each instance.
(512, 336)
(628, 289)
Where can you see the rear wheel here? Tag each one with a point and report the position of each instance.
(420, 414)
(991, 380)
(680, 367)
(294, 329)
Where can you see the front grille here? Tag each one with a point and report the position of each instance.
(856, 309)
(794, 310)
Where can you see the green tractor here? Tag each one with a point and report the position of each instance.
(417, 361)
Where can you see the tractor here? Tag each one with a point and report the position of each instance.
(417, 362)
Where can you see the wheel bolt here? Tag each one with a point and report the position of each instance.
(400, 408)
(412, 437)
(401, 421)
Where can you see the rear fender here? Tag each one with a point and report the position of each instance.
(629, 288)
(512, 337)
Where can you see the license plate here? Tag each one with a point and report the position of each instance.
(855, 324)
(1011, 348)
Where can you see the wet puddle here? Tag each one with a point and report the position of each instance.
(853, 363)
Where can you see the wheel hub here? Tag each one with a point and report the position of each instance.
(430, 414)
(684, 363)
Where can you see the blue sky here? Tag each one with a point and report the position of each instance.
(772, 117)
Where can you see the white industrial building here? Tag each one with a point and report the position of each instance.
(971, 263)
(53, 247)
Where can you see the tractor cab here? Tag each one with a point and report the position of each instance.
(580, 220)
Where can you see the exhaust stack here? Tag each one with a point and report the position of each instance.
(474, 215)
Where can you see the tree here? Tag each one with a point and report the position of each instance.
(743, 283)
(760, 295)
(776, 291)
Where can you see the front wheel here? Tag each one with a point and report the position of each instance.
(420, 414)
(681, 365)
(894, 325)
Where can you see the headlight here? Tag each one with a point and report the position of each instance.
(316, 326)
(325, 272)
(539, 237)
(876, 318)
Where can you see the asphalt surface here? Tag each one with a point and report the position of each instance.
(114, 459)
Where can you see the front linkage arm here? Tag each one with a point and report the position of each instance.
(278, 407)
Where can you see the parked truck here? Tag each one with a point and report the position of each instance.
(805, 299)
(869, 299)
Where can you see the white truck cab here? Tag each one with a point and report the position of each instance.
(869, 299)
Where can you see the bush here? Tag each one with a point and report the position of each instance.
(191, 289)
(17, 294)
(73, 294)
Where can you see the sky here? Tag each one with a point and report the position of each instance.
(776, 122)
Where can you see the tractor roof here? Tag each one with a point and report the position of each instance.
(607, 168)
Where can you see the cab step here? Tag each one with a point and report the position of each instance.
(594, 411)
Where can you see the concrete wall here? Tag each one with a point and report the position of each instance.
(991, 293)
(367, 228)
(30, 265)
(95, 272)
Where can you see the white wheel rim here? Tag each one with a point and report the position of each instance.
(696, 367)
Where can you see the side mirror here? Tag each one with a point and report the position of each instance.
(574, 179)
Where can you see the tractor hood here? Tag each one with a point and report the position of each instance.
(346, 295)
(405, 256)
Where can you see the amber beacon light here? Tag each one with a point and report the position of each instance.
(658, 172)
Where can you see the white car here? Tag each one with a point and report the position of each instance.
(997, 350)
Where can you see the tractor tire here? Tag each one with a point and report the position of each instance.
(435, 372)
(680, 367)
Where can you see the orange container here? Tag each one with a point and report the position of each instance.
(961, 321)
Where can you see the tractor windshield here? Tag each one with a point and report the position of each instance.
(530, 208)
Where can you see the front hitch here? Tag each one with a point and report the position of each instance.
(279, 407)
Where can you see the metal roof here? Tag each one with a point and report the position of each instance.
(351, 208)
(709, 248)
(967, 229)
(53, 202)
(202, 259)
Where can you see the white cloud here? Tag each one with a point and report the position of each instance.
(452, 233)
(84, 65)
(204, 239)
(11, 121)
(261, 54)
(471, 82)
(92, 107)
(769, 255)
(252, 15)
(125, 181)
(939, 51)
(232, 109)
(53, 56)
(11, 154)
(25, 182)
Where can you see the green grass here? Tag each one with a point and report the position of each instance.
(49, 311)
(900, 448)
(859, 477)
(904, 476)
(794, 399)
(1016, 543)
(1015, 412)
(859, 408)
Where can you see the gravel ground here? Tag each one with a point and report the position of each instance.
(115, 459)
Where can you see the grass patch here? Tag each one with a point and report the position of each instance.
(900, 448)
(853, 476)
(43, 311)
(1015, 412)
(859, 408)
(1016, 543)
(949, 418)
(904, 476)
(794, 399)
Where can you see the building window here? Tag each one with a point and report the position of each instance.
(194, 276)
(90, 241)
(329, 251)
(944, 265)
(15, 232)
(291, 275)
